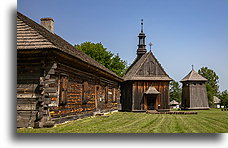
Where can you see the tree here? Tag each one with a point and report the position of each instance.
(223, 96)
(175, 91)
(118, 66)
(104, 57)
(211, 84)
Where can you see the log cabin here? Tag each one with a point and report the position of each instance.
(194, 93)
(55, 81)
(146, 84)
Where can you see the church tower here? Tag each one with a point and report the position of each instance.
(142, 45)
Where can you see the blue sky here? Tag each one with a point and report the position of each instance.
(183, 32)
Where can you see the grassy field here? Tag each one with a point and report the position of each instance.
(206, 121)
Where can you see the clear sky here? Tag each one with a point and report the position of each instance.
(183, 32)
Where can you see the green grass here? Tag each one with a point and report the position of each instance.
(206, 121)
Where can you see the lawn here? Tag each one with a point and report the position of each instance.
(206, 121)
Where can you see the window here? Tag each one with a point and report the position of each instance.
(85, 88)
(113, 95)
(63, 89)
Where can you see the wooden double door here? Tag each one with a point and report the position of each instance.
(150, 102)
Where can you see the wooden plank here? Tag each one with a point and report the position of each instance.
(29, 106)
(27, 96)
(51, 89)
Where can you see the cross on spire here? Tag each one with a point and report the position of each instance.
(141, 25)
(192, 67)
(150, 44)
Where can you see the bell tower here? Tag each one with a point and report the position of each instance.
(141, 46)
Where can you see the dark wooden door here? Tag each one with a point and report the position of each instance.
(151, 102)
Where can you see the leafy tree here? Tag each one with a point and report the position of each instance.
(104, 57)
(212, 83)
(224, 98)
(175, 91)
(118, 66)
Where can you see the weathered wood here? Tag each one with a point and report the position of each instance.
(26, 118)
(194, 95)
(54, 78)
(139, 100)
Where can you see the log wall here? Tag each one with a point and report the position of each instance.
(86, 93)
(52, 89)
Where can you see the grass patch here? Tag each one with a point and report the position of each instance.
(206, 121)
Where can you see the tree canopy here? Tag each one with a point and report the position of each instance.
(175, 91)
(104, 57)
(224, 98)
(212, 83)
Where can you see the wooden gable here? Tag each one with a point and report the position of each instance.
(147, 68)
(150, 67)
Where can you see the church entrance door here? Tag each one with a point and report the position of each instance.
(151, 102)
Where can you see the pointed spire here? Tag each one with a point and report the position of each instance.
(141, 46)
(141, 25)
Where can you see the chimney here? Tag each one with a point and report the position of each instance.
(48, 23)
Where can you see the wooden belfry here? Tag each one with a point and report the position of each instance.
(146, 84)
(194, 94)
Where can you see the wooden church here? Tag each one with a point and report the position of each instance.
(146, 84)
(194, 93)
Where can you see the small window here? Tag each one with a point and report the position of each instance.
(106, 94)
(201, 83)
(186, 84)
(85, 88)
(194, 83)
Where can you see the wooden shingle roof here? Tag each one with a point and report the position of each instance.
(31, 35)
(146, 68)
(193, 76)
(152, 90)
(29, 38)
